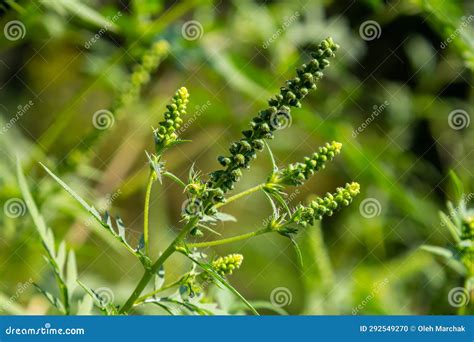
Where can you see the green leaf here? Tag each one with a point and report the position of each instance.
(78, 198)
(224, 217)
(272, 158)
(297, 251)
(71, 273)
(159, 278)
(457, 185)
(209, 270)
(455, 233)
(440, 251)
(61, 256)
(85, 305)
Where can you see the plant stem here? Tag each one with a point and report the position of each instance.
(150, 272)
(229, 240)
(164, 288)
(242, 194)
(151, 180)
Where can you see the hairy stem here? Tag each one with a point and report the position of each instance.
(242, 194)
(150, 272)
(229, 240)
(151, 180)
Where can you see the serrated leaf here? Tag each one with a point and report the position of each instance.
(71, 273)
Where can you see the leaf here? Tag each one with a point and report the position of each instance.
(121, 227)
(440, 251)
(455, 233)
(272, 158)
(71, 273)
(61, 256)
(84, 306)
(223, 282)
(141, 242)
(225, 217)
(298, 252)
(457, 186)
(78, 198)
(52, 299)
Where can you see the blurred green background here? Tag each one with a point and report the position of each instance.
(398, 96)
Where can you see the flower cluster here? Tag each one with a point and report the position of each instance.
(298, 173)
(267, 121)
(165, 135)
(227, 264)
(306, 215)
(141, 74)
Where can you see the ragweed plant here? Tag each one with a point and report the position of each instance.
(206, 196)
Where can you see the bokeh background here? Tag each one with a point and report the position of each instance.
(398, 96)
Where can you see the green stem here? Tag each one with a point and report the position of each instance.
(242, 194)
(151, 180)
(164, 288)
(150, 272)
(229, 240)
